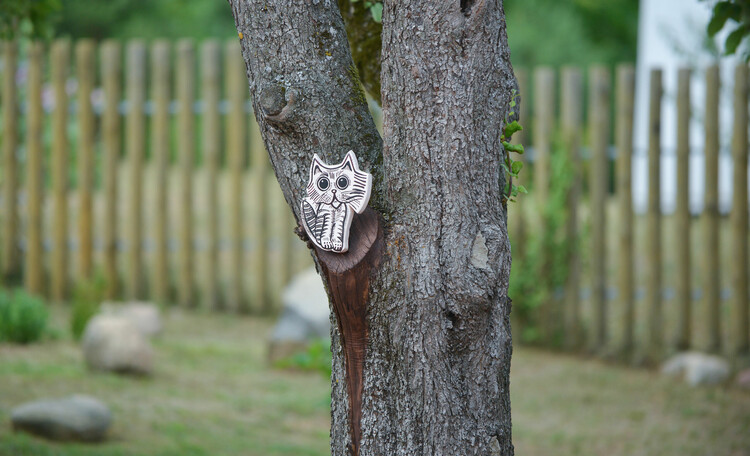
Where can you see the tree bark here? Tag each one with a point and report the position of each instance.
(438, 343)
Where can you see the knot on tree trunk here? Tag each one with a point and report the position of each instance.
(277, 104)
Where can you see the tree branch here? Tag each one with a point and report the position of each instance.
(308, 99)
(305, 89)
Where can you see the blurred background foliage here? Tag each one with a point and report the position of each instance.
(33, 18)
(572, 32)
(548, 32)
(145, 19)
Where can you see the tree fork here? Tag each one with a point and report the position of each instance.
(421, 341)
(307, 99)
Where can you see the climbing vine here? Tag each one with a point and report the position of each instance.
(510, 166)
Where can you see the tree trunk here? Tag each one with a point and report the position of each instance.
(437, 343)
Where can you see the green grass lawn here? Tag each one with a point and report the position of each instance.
(214, 394)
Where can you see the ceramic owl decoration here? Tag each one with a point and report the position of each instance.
(334, 194)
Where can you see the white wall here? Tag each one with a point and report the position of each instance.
(671, 35)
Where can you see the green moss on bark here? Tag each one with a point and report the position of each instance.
(358, 95)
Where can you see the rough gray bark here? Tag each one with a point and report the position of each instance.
(438, 357)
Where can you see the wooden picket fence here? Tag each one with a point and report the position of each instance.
(643, 286)
(143, 164)
(180, 205)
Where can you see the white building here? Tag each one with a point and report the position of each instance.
(671, 35)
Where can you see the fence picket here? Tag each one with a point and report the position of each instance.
(599, 119)
(85, 53)
(186, 151)
(683, 294)
(59, 61)
(624, 143)
(34, 272)
(571, 119)
(211, 89)
(160, 152)
(653, 222)
(544, 118)
(738, 218)
(236, 90)
(110, 70)
(11, 256)
(135, 142)
(711, 272)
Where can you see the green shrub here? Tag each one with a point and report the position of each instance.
(87, 298)
(23, 317)
(317, 357)
(543, 267)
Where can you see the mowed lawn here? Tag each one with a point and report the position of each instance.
(213, 393)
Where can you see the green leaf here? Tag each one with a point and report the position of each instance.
(522, 189)
(518, 148)
(516, 167)
(377, 12)
(511, 128)
(719, 18)
(734, 39)
(505, 167)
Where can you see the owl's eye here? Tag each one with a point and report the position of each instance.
(342, 182)
(324, 183)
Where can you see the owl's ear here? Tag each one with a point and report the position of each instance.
(316, 167)
(350, 161)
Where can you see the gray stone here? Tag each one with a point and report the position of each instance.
(114, 343)
(743, 379)
(76, 417)
(697, 368)
(144, 315)
(305, 316)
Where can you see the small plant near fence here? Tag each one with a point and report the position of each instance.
(536, 275)
(23, 317)
(87, 298)
(316, 357)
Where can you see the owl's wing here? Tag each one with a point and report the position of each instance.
(309, 220)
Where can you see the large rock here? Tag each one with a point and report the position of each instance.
(114, 343)
(305, 316)
(144, 315)
(73, 418)
(697, 368)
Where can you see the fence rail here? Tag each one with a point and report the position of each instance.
(110, 146)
